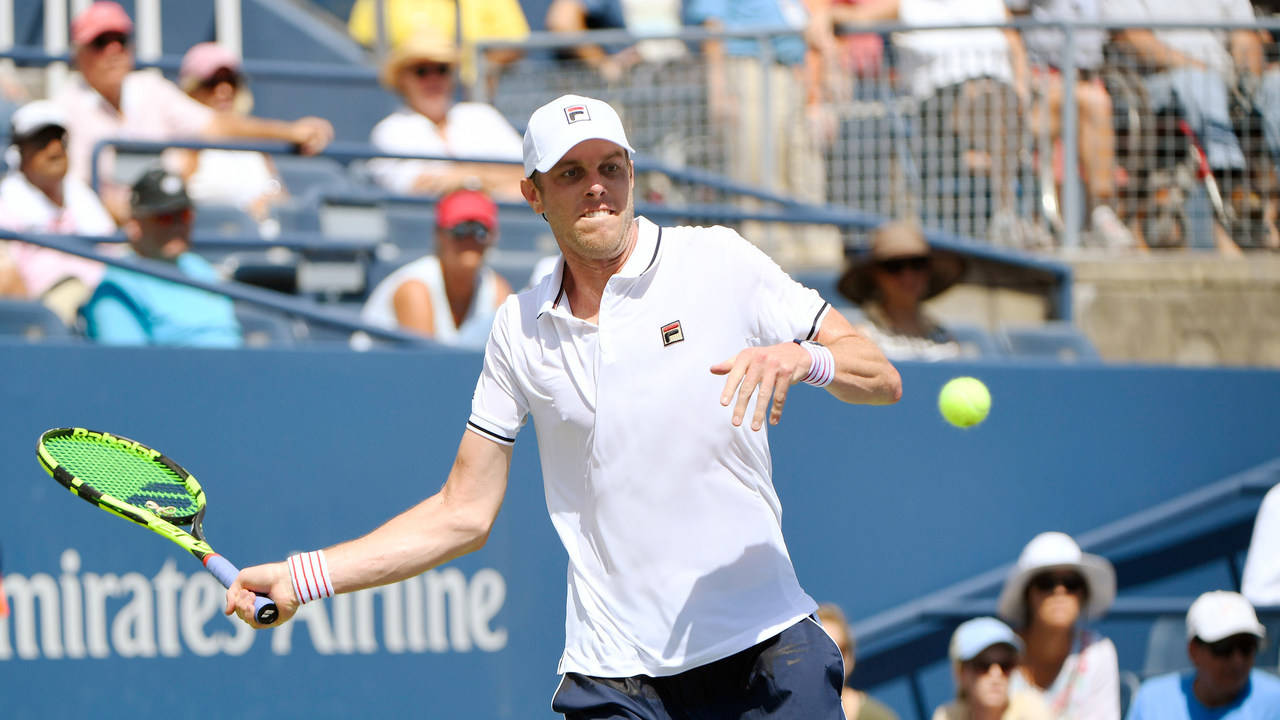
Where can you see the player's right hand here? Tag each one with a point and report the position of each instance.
(272, 579)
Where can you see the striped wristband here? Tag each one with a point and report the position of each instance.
(822, 365)
(310, 575)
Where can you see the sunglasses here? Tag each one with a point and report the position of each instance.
(184, 216)
(423, 70)
(222, 76)
(471, 229)
(1048, 582)
(1246, 645)
(897, 265)
(982, 664)
(107, 39)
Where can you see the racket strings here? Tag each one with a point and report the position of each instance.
(132, 478)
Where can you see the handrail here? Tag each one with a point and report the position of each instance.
(80, 245)
(1254, 481)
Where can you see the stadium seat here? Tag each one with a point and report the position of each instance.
(31, 320)
(219, 219)
(302, 175)
(974, 341)
(410, 227)
(264, 328)
(1055, 340)
(1166, 646)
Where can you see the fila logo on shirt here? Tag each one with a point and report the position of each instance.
(672, 334)
(576, 113)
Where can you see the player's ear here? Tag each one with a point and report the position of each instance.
(532, 195)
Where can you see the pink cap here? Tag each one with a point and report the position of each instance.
(203, 60)
(462, 205)
(100, 17)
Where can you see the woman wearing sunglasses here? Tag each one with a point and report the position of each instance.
(211, 75)
(984, 656)
(1053, 588)
(891, 281)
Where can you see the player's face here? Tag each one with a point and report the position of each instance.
(587, 200)
(1222, 668)
(163, 236)
(985, 679)
(1055, 598)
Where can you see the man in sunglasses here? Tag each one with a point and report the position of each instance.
(38, 196)
(1223, 638)
(131, 308)
(422, 72)
(110, 100)
(451, 296)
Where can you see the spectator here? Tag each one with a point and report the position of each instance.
(210, 74)
(131, 308)
(641, 17)
(1051, 588)
(480, 20)
(973, 86)
(857, 704)
(892, 280)
(1193, 73)
(110, 99)
(984, 654)
(421, 71)
(1261, 580)
(451, 296)
(795, 124)
(1096, 137)
(39, 196)
(1223, 634)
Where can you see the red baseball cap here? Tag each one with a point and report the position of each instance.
(100, 17)
(462, 206)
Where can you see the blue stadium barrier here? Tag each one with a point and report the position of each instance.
(32, 321)
(1054, 341)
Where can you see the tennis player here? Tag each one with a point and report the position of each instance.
(650, 360)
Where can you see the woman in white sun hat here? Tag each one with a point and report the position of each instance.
(1051, 591)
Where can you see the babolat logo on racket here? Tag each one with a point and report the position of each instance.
(121, 443)
(671, 333)
(575, 113)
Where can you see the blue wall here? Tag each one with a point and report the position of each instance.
(299, 449)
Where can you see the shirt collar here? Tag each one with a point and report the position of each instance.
(643, 257)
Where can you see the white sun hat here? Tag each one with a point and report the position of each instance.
(1057, 551)
(555, 128)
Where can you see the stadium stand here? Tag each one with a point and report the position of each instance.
(32, 321)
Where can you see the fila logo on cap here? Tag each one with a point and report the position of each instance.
(576, 113)
(672, 334)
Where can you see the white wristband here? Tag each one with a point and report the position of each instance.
(822, 364)
(310, 575)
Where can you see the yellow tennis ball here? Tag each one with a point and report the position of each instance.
(964, 401)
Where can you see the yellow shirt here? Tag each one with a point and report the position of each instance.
(481, 20)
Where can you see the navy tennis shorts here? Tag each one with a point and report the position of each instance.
(798, 674)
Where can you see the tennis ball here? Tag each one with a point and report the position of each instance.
(964, 401)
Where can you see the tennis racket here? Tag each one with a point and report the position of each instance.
(129, 479)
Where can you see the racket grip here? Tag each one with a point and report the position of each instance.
(264, 608)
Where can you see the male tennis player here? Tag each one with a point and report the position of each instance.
(638, 359)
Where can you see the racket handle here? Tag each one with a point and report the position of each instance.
(264, 608)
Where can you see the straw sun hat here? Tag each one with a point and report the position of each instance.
(899, 239)
(1057, 551)
(423, 46)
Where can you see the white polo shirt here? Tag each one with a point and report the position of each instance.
(667, 511)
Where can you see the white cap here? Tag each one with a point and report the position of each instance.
(1220, 614)
(974, 636)
(555, 128)
(1054, 551)
(34, 117)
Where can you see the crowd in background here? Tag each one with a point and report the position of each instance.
(978, 100)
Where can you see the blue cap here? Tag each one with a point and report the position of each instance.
(974, 636)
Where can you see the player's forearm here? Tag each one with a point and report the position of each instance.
(863, 374)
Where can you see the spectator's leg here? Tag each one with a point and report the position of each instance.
(1097, 141)
(1200, 97)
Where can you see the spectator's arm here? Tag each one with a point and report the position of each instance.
(414, 310)
(865, 13)
(112, 321)
(310, 134)
(1151, 51)
(1018, 63)
(570, 16)
(1246, 50)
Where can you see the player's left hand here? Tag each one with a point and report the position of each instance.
(762, 372)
